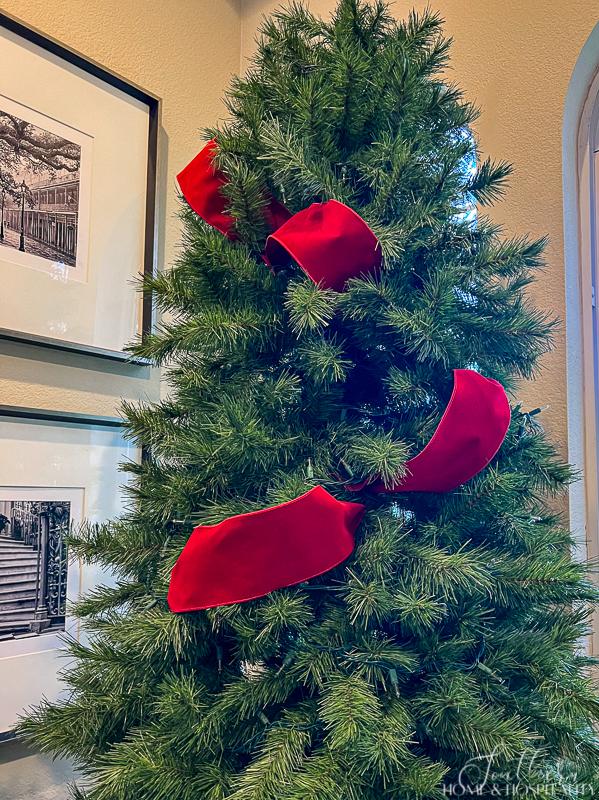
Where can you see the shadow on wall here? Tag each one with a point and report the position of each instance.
(26, 775)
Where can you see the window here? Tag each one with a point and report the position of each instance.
(581, 257)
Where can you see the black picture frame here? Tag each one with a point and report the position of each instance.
(109, 426)
(59, 417)
(67, 418)
(67, 54)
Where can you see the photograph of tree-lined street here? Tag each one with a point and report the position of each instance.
(39, 190)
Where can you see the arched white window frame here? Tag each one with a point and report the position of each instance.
(581, 254)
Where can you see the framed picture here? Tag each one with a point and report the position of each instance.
(54, 473)
(77, 197)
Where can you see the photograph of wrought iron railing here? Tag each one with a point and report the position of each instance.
(33, 566)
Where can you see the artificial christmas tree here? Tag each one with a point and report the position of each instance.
(441, 657)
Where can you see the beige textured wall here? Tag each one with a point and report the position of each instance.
(514, 58)
(184, 51)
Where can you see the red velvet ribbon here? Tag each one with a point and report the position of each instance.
(470, 433)
(250, 555)
(330, 241)
(201, 183)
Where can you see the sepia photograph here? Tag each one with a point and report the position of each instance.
(33, 566)
(39, 185)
